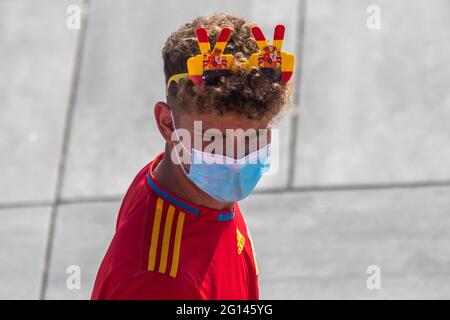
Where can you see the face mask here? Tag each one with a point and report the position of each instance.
(224, 178)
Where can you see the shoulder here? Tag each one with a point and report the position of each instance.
(164, 238)
(244, 236)
(136, 194)
(143, 260)
(239, 219)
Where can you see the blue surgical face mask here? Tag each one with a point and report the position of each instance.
(224, 178)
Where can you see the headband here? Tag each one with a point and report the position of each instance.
(206, 67)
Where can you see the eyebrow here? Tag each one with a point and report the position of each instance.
(224, 134)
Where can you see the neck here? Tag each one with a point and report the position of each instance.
(171, 176)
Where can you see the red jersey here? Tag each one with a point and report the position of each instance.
(167, 248)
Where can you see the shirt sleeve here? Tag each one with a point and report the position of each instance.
(154, 286)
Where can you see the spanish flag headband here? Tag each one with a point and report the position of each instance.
(209, 65)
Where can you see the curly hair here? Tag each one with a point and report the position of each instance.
(251, 94)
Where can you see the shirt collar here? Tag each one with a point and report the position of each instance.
(199, 212)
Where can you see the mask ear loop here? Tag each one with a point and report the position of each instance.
(182, 145)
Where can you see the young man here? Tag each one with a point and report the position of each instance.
(180, 233)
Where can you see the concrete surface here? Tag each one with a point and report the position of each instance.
(380, 97)
(364, 179)
(318, 245)
(83, 233)
(36, 54)
(23, 234)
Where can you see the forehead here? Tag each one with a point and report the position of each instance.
(223, 122)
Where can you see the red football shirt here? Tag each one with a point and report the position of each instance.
(167, 248)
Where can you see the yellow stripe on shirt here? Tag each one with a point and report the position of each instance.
(177, 245)
(166, 239)
(155, 235)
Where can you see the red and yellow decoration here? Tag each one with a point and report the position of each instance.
(270, 56)
(211, 63)
(209, 60)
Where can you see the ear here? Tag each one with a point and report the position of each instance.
(164, 120)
